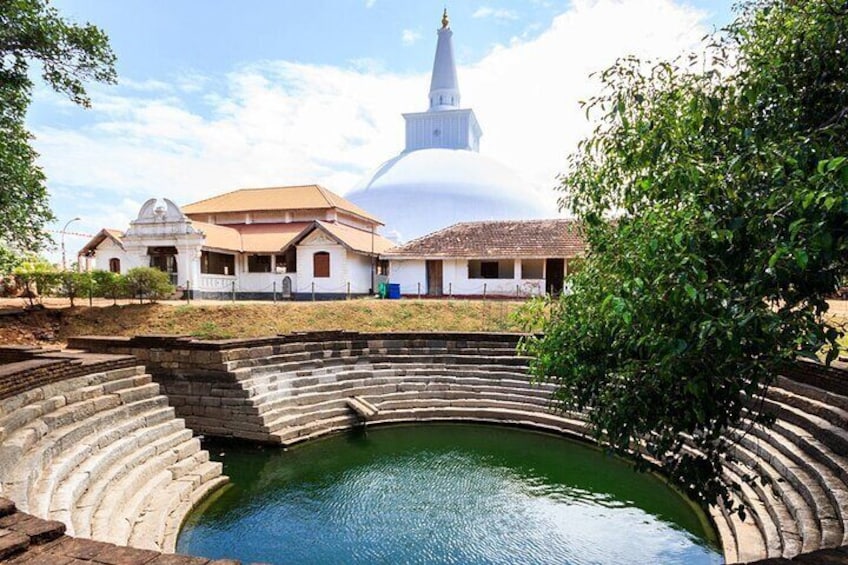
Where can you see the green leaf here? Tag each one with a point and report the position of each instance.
(801, 258)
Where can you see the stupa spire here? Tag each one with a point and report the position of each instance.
(444, 88)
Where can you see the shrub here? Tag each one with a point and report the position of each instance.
(147, 282)
(72, 284)
(109, 285)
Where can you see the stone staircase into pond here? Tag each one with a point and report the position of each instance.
(299, 387)
(92, 443)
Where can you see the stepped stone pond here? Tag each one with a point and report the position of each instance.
(443, 493)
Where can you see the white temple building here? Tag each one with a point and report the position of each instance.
(440, 178)
(291, 242)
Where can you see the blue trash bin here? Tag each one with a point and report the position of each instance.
(393, 291)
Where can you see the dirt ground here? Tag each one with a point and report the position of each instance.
(210, 319)
(53, 323)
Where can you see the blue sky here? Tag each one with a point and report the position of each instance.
(215, 95)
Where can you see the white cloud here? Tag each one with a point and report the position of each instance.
(496, 13)
(410, 36)
(279, 123)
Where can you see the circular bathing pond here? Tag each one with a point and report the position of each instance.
(443, 494)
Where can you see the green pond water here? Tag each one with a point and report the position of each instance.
(443, 494)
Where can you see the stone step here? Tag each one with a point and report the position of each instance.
(283, 421)
(158, 454)
(834, 437)
(148, 532)
(124, 503)
(725, 533)
(316, 428)
(326, 352)
(467, 400)
(831, 413)
(174, 521)
(382, 387)
(121, 507)
(801, 449)
(298, 380)
(529, 418)
(9, 406)
(756, 510)
(780, 514)
(254, 378)
(746, 536)
(33, 405)
(67, 505)
(37, 450)
(812, 392)
(89, 449)
(804, 514)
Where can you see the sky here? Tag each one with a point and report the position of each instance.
(216, 95)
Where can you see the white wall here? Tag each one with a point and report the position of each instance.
(337, 281)
(359, 270)
(408, 273)
(455, 279)
(107, 249)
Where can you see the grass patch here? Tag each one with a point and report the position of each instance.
(253, 320)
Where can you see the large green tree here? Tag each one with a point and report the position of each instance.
(70, 54)
(712, 194)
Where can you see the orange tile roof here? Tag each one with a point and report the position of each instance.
(357, 240)
(250, 238)
(497, 240)
(105, 233)
(307, 197)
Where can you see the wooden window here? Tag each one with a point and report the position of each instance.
(502, 269)
(287, 263)
(258, 263)
(115, 265)
(212, 263)
(321, 265)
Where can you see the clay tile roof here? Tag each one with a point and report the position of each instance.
(250, 238)
(105, 233)
(356, 239)
(497, 240)
(307, 197)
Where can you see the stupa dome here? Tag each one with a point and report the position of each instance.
(419, 192)
(440, 178)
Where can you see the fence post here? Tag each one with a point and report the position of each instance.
(274, 284)
(188, 292)
(348, 290)
(484, 291)
(313, 291)
(419, 291)
(450, 290)
(517, 291)
(234, 292)
(90, 291)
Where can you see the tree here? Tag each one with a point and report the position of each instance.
(73, 284)
(727, 177)
(108, 285)
(148, 282)
(70, 54)
(37, 277)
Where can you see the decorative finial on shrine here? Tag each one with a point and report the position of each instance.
(445, 20)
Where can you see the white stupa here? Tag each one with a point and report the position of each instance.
(441, 178)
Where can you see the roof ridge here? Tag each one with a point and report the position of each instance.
(243, 189)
